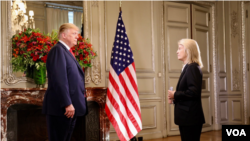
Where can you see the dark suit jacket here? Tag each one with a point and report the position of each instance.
(187, 98)
(65, 83)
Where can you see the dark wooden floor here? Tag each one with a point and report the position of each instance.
(206, 136)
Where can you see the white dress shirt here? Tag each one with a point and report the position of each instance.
(64, 44)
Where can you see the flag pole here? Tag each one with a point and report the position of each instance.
(120, 5)
(134, 138)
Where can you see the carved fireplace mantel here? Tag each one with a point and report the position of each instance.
(34, 96)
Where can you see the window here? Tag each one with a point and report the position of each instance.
(71, 16)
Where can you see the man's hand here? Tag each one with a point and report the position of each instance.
(70, 111)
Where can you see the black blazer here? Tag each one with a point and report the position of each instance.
(65, 83)
(187, 98)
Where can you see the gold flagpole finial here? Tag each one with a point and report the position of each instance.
(120, 5)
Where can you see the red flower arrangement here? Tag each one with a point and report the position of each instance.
(30, 48)
(84, 52)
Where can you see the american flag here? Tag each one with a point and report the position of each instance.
(122, 103)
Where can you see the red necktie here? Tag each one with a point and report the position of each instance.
(70, 50)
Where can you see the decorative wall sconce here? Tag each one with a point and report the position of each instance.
(19, 20)
(31, 20)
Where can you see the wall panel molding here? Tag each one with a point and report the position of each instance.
(235, 45)
(234, 23)
(152, 115)
(236, 110)
(174, 66)
(207, 84)
(223, 83)
(144, 85)
(183, 12)
(236, 80)
(94, 4)
(151, 99)
(224, 110)
(230, 95)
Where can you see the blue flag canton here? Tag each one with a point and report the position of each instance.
(122, 55)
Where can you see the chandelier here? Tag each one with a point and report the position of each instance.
(19, 19)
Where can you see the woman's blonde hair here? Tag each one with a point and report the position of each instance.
(65, 27)
(192, 50)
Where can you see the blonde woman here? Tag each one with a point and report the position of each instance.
(188, 113)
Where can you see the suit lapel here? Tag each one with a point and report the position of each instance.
(72, 57)
(183, 72)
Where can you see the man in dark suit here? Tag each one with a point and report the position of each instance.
(188, 113)
(65, 97)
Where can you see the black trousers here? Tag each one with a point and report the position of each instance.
(190, 133)
(60, 128)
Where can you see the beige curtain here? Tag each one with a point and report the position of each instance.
(55, 18)
(78, 19)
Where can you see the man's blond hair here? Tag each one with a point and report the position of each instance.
(64, 27)
(192, 50)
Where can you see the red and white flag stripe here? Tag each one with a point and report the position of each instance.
(122, 103)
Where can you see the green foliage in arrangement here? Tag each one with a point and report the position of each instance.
(30, 48)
